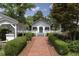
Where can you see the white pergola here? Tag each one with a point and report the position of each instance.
(5, 20)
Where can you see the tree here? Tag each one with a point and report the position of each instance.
(64, 15)
(67, 15)
(16, 10)
(29, 21)
(38, 15)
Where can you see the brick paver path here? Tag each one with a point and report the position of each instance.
(38, 47)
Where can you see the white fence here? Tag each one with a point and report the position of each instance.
(51, 31)
(10, 37)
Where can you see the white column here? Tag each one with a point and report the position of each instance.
(44, 31)
(37, 30)
(15, 31)
(49, 28)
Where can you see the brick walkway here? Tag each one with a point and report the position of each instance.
(38, 47)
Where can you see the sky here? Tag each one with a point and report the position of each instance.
(44, 7)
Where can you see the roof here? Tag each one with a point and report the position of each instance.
(20, 26)
(41, 19)
(4, 17)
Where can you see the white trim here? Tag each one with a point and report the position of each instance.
(15, 31)
(13, 25)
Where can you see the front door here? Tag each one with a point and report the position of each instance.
(40, 29)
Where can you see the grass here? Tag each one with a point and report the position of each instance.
(72, 54)
(2, 52)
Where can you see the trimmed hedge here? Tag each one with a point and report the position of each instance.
(29, 35)
(2, 52)
(15, 46)
(51, 38)
(60, 45)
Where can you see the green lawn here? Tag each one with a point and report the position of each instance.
(72, 54)
(2, 52)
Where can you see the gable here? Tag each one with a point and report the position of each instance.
(4, 18)
(7, 22)
(40, 23)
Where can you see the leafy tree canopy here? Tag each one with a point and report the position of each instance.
(16, 10)
(66, 14)
(38, 15)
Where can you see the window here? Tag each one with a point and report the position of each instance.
(34, 28)
(46, 28)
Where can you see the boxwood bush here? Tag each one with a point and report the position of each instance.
(60, 45)
(51, 38)
(29, 35)
(15, 46)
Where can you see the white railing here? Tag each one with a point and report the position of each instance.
(36, 33)
(10, 37)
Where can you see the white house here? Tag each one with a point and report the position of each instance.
(41, 27)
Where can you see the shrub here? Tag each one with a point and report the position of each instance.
(3, 33)
(60, 45)
(51, 38)
(19, 34)
(72, 54)
(14, 47)
(2, 52)
(61, 36)
(47, 34)
(29, 35)
(74, 46)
